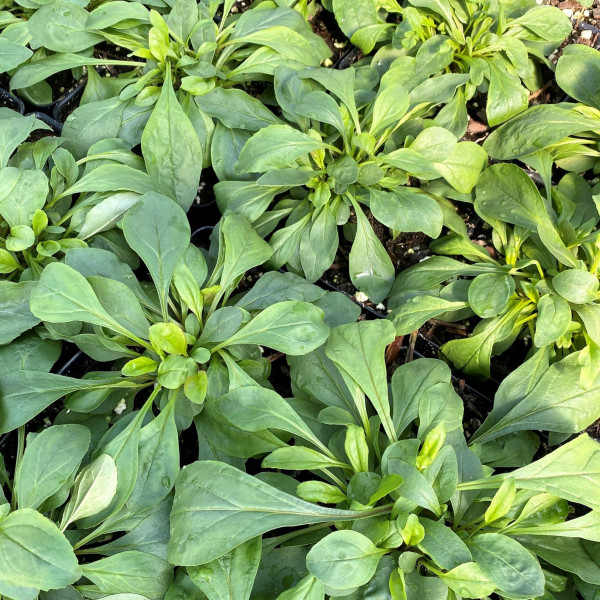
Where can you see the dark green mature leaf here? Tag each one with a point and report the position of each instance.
(534, 130)
(292, 327)
(237, 109)
(217, 507)
(275, 147)
(24, 394)
(230, 577)
(35, 553)
(49, 460)
(15, 315)
(578, 74)
(12, 54)
(171, 147)
(158, 230)
(131, 572)
(509, 566)
(358, 351)
(344, 560)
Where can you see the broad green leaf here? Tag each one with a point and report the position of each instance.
(158, 461)
(237, 109)
(12, 54)
(253, 408)
(358, 350)
(244, 248)
(344, 560)
(216, 508)
(578, 74)
(489, 294)
(308, 589)
(93, 490)
(22, 192)
(275, 147)
(131, 572)
(570, 472)
(35, 553)
(354, 16)
(230, 577)
(171, 147)
(553, 321)
(158, 230)
(26, 393)
(49, 460)
(535, 129)
(15, 314)
(443, 545)
(557, 401)
(468, 581)
(61, 27)
(415, 312)
(506, 96)
(291, 327)
(371, 269)
(508, 565)
(576, 285)
(406, 210)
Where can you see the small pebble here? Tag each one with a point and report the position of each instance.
(361, 297)
(568, 12)
(380, 306)
(586, 34)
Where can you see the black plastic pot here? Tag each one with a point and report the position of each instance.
(7, 100)
(62, 107)
(56, 126)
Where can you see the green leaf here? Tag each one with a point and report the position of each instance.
(254, 408)
(48, 463)
(556, 401)
(244, 248)
(171, 147)
(93, 490)
(576, 285)
(468, 581)
(237, 109)
(15, 315)
(131, 572)
(62, 295)
(443, 545)
(509, 566)
(358, 351)
(371, 269)
(22, 192)
(294, 328)
(535, 129)
(354, 16)
(506, 96)
(502, 502)
(275, 147)
(434, 55)
(230, 577)
(61, 27)
(308, 589)
(571, 472)
(407, 210)
(578, 74)
(158, 230)
(12, 54)
(344, 560)
(168, 337)
(158, 460)
(36, 554)
(26, 393)
(217, 507)
(489, 294)
(415, 312)
(553, 321)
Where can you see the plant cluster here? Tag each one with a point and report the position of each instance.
(204, 418)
